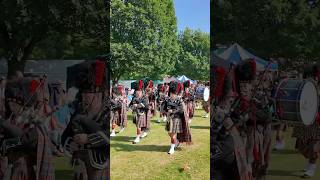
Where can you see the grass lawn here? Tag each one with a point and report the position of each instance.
(63, 168)
(149, 160)
(288, 164)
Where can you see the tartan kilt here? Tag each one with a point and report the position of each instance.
(162, 110)
(153, 108)
(307, 132)
(91, 172)
(206, 106)
(308, 147)
(174, 125)
(190, 108)
(141, 121)
(115, 117)
(23, 169)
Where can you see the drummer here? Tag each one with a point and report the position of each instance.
(281, 126)
(308, 137)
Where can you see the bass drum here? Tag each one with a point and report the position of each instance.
(297, 101)
(202, 93)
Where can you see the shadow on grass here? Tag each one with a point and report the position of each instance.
(122, 138)
(139, 147)
(285, 151)
(276, 172)
(64, 174)
(200, 127)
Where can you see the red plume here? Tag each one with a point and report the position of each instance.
(178, 88)
(220, 73)
(140, 85)
(33, 86)
(99, 72)
(150, 84)
(162, 88)
(120, 89)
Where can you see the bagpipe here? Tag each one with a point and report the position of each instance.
(116, 104)
(14, 138)
(174, 106)
(142, 106)
(98, 141)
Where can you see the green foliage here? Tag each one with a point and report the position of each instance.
(273, 28)
(143, 38)
(194, 56)
(51, 29)
(145, 42)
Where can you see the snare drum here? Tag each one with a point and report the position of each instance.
(202, 93)
(297, 101)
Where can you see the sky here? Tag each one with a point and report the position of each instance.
(194, 14)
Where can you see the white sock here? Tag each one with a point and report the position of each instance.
(137, 139)
(113, 133)
(307, 167)
(312, 169)
(144, 134)
(171, 151)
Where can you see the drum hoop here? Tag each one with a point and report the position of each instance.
(277, 99)
(298, 102)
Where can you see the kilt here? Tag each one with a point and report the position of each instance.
(190, 109)
(161, 110)
(119, 117)
(22, 169)
(89, 171)
(206, 106)
(142, 121)
(306, 132)
(174, 125)
(308, 148)
(115, 117)
(153, 108)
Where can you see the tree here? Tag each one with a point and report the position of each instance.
(194, 56)
(273, 28)
(26, 26)
(143, 38)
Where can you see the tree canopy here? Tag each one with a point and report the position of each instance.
(194, 55)
(145, 42)
(51, 29)
(273, 28)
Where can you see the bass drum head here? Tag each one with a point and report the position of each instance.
(308, 103)
(206, 94)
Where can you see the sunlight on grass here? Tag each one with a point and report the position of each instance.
(288, 164)
(149, 159)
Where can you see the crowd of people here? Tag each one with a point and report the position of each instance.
(175, 101)
(38, 122)
(246, 111)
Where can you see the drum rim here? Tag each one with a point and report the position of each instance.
(302, 83)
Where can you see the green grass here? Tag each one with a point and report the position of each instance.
(149, 160)
(288, 164)
(63, 169)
